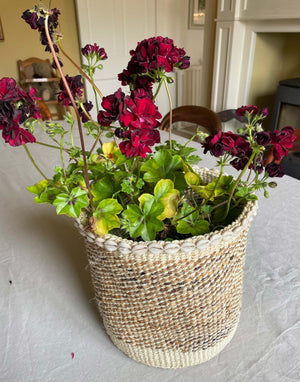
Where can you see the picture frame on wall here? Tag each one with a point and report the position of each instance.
(196, 14)
(1, 32)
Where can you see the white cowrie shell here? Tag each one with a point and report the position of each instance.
(139, 249)
(124, 248)
(187, 247)
(171, 248)
(202, 244)
(110, 245)
(215, 238)
(156, 249)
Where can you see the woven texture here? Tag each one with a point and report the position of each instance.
(171, 304)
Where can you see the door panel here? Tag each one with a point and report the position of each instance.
(117, 26)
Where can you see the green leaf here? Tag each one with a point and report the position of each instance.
(190, 223)
(44, 192)
(181, 150)
(162, 166)
(71, 204)
(39, 187)
(92, 128)
(103, 189)
(143, 219)
(68, 118)
(216, 188)
(165, 194)
(54, 128)
(106, 215)
(206, 209)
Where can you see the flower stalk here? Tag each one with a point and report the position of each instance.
(171, 111)
(75, 109)
(34, 163)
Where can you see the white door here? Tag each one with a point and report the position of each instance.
(117, 26)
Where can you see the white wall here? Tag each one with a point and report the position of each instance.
(125, 23)
(172, 21)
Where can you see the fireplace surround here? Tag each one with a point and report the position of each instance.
(237, 25)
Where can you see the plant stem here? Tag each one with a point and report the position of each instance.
(190, 140)
(94, 145)
(34, 163)
(53, 139)
(157, 91)
(71, 133)
(94, 90)
(61, 155)
(86, 177)
(237, 182)
(171, 116)
(80, 70)
(51, 146)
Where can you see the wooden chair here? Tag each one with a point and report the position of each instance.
(197, 115)
(35, 72)
(44, 110)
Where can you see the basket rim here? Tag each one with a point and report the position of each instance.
(113, 242)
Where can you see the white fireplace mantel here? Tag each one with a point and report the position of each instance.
(237, 23)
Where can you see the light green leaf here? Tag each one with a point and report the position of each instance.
(142, 220)
(190, 223)
(103, 189)
(106, 215)
(71, 204)
(162, 166)
(165, 194)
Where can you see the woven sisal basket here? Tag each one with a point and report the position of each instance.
(171, 304)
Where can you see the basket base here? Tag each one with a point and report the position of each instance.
(171, 359)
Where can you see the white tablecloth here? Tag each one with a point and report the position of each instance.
(50, 328)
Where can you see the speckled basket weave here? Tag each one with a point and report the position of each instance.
(171, 304)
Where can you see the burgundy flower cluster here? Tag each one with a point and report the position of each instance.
(94, 51)
(16, 106)
(240, 149)
(151, 58)
(36, 19)
(138, 117)
(253, 110)
(76, 87)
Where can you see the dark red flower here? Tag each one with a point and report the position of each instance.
(239, 163)
(273, 169)
(214, 145)
(32, 18)
(16, 135)
(250, 109)
(138, 142)
(263, 138)
(94, 50)
(140, 112)
(155, 56)
(88, 107)
(76, 88)
(36, 19)
(8, 89)
(282, 141)
(184, 63)
(16, 106)
(54, 66)
(113, 106)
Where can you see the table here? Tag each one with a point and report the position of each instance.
(51, 330)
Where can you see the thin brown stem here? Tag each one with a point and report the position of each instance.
(171, 115)
(34, 163)
(80, 70)
(86, 177)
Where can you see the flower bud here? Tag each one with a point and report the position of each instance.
(266, 194)
(273, 184)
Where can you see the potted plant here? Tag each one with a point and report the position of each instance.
(165, 239)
